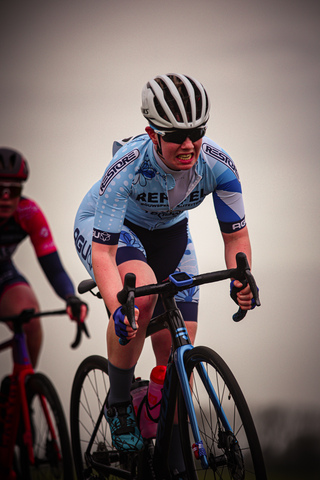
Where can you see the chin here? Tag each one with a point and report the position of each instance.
(4, 215)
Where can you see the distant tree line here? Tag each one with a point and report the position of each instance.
(290, 439)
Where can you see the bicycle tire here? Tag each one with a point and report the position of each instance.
(230, 455)
(53, 457)
(93, 453)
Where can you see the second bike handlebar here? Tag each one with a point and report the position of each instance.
(27, 314)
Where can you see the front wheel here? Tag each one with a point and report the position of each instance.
(226, 427)
(50, 438)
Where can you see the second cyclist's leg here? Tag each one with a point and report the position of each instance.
(16, 298)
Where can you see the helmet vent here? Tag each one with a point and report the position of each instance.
(12, 165)
(198, 98)
(185, 97)
(12, 161)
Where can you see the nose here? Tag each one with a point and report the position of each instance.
(187, 143)
(5, 194)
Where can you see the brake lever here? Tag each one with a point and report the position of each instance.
(127, 299)
(242, 273)
(239, 315)
(81, 327)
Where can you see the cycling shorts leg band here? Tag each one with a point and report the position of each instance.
(129, 253)
(10, 277)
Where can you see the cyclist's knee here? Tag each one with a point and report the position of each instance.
(33, 328)
(17, 298)
(146, 306)
(144, 276)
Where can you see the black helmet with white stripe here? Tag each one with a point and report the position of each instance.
(175, 101)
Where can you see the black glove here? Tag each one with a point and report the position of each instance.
(75, 303)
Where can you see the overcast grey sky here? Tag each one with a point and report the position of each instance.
(71, 80)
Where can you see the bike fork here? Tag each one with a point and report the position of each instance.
(178, 359)
(199, 450)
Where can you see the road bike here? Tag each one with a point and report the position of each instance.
(34, 438)
(218, 436)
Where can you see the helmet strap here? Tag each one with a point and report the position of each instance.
(159, 148)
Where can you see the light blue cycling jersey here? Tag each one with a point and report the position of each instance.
(135, 187)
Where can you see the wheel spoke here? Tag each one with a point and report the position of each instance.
(232, 454)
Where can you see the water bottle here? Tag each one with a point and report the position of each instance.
(146, 399)
(155, 391)
(139, 390)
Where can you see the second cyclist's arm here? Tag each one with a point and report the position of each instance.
(35, 224)
(56, 275)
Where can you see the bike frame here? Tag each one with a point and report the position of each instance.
(176, 374)
(17, 404)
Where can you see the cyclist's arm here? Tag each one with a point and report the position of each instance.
(106, 273)
(109, 282)
(63, 286)
(56, 275)
(107, 227)
(238, 242)
(229, 207)
(34, 223)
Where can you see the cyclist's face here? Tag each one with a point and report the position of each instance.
(177, 156)
(9, 198)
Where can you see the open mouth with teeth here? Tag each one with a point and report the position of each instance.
(185, 157)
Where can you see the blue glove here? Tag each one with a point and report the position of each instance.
(234, 290)
(119, 325)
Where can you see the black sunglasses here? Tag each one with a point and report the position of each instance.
(12, 190)
(179, 136)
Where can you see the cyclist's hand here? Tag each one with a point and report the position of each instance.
(122, 326)
(242, 295)
(76, 308)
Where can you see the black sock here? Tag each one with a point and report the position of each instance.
(120, 384)
(176, 461)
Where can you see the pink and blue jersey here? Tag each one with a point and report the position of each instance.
(29, 221)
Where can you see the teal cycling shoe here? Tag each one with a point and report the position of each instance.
(125, 433)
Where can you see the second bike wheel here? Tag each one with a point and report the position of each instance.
(232, 453)
(93, 452)
(51, 445)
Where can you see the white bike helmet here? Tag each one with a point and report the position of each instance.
(175, 101)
